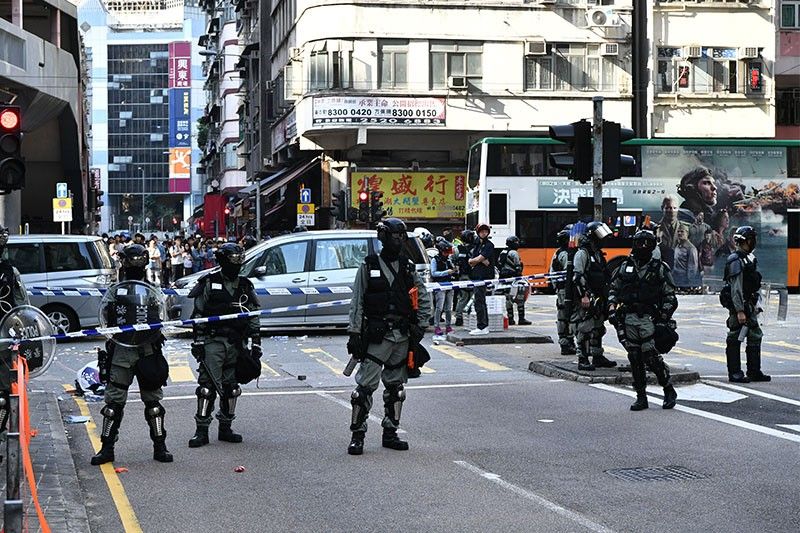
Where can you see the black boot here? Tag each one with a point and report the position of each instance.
(754, 364)
(511, 320)
(200, 437)
(733, 355)
(641, 401)
(160, 451)
(459, 321)
(600, 361)
(226, 434)
(356, 446)
(584, 364)
(568, 350)
(392, 441)
(522, 321)
(670, 397)
(154, 414)
(112, 418)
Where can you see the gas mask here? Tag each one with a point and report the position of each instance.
(392, 246)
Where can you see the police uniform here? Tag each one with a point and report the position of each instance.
(564, 325)
(591, 279)
(741, 294)
(510, 266)
(643, 295)
(462, 261)
(127, 359)
(382, 321)
(217, 345)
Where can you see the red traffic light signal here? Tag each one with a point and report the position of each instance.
(362, 196)
(9, 119)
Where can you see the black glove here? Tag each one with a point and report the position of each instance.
(198, 351)
(255, 351)
(355, 347)
(613, 319)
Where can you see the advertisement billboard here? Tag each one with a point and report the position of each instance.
(415, 195)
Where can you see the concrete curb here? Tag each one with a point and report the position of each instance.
(569, 370)
(515, 336)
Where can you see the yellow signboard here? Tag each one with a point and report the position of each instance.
(62, 203)
(415, 195)
(305, 209)
(62, 209)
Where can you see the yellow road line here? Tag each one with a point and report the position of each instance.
(126, 514)
(784, 344)
(336, 369)
(269, 370)
(181, 373)
(701, 355)
(721, 345)
(427, 370)
(615, 350)
(455, 353)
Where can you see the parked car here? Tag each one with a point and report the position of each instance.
(64, 261)
(308, 259)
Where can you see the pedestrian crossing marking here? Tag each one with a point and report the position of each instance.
(455, 353)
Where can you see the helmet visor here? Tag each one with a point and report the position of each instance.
(235, 258)
(602, 231)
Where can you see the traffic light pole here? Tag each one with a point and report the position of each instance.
(597, 161)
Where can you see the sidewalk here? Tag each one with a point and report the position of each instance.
(57, 482)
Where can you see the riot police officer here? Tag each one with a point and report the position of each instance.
(389, 309)
(217, 345)
(590, 282)
(510, 266)
(124, 359)
(12, 294)
(740, 296)
(462, 262)
(559, 262)
(642, 297)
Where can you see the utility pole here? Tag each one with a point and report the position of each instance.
(597, 161)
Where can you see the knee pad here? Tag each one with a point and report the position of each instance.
(232, 391)
(393, 393)
(113, 411)
(153, 410)
(360, 395)
(205, 392)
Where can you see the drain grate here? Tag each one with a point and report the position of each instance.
(655, 473)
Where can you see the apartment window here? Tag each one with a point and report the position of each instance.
(706, 70)
(790, 14)
(571, 67)
(393, 57)
(456, 59)
(231, 158)
(787, 107)
(331, 66)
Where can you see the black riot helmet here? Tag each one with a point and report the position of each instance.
(3, 238)
(644, 242)
(134, 259)
(392, 233)
(512, 242)
(444, 246)
(230, 257)
(248, 241)
(562, 237)
(597, 232)
(745, 238)
(467, 236)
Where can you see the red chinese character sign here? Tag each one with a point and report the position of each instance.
(416, 195)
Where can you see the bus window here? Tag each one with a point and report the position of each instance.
(498, 209)
(530, 228)
(793, 229)
(472, 220)
(474, 174)
(521, 160)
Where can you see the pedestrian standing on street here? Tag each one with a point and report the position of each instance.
(482, 263)
(510, 266)
(741, 297)
(154, 264)
(218, 345)
(642, 296)
(559, 263)
(442, 270)
(12, 294)
(388, 314)
(464, 271)
(176, 259)
(590, 283)
(121, 363)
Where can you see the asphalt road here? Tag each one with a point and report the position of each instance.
(493, 446)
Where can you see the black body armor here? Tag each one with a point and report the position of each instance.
(641, 294)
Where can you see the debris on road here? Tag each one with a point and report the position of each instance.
(239, 469)
(76, 419)
(120, 470)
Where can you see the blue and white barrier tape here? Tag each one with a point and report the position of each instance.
(286, 291)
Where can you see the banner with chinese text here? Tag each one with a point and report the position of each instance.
(415, 195)
(180, 126)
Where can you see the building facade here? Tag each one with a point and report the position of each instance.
(40, 54)
(146, 97)
(787, 72)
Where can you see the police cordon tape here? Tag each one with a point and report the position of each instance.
(284, 291)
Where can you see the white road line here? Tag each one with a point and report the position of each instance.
(754, 392)
(535, 498)
(725, 376)
(711, 416)
(372, 418)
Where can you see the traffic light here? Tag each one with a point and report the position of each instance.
(578, 161)
(363, 206)
(613, 158)
(376, 210)
(340, 206)
(95, 202)
(12, 167)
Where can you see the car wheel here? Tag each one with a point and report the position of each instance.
(63, 318)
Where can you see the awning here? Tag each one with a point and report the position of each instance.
(274, 182)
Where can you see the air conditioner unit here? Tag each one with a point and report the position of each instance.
(691, 52)
(609, 49)
(603, 17)
(537, 47)
(267, 161)
(457, 82)
(747, 52)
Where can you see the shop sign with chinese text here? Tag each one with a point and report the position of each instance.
(378, 111)
(415, 195)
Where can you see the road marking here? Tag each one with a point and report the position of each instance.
(711, 416)
(701, 355)
(578, 518)
(179, 369)
(765, 354)
(126, 514)
(793, 427)
(269, 370)
(725, 376)
(754, 392)
(616, 351)
(374, 419)
(784, 344)
(336, 369)
(455, 353)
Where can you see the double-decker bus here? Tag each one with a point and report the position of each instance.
(698, 190)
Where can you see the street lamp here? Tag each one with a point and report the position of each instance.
(141, 173)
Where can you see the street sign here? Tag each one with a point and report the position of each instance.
(305, 209)
(305, 220)
(62, 209)
(305, 196)
(61, 190)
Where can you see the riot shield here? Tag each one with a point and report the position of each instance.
(28, 322)
(129, 303)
